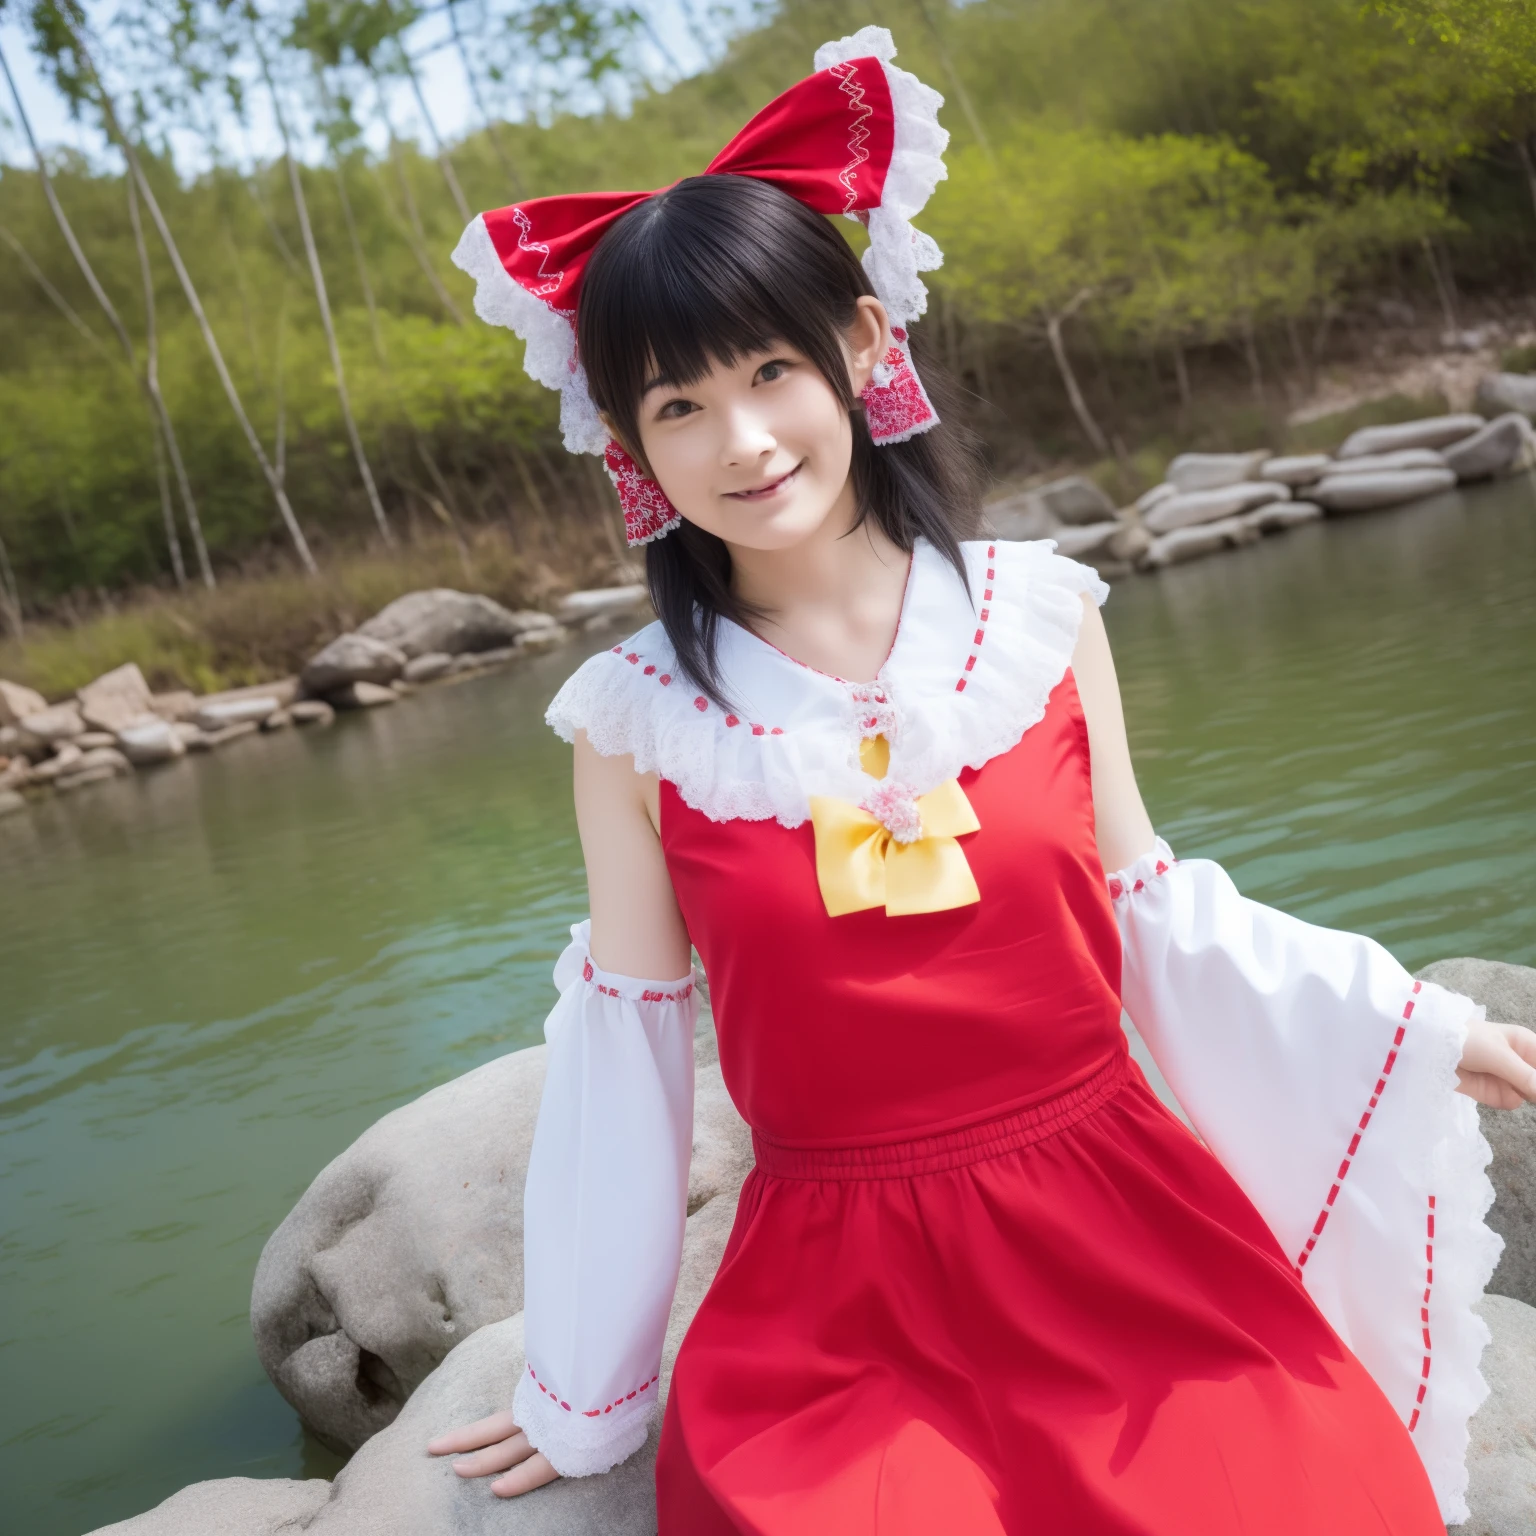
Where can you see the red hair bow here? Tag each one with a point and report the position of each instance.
(859, 137)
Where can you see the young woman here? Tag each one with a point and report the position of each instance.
(873, 768)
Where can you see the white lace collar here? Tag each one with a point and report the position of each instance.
(966, 677)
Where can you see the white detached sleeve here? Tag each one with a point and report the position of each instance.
(1323, 1077)
(603, 1210)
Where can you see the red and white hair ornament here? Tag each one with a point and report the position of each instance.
(859, 137)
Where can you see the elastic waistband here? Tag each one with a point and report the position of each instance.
(950, 1149)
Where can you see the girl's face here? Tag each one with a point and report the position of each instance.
(758, 452)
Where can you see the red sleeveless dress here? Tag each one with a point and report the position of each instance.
(981, 1280)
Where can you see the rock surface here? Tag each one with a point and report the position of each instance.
(1508, 992)
(1501, 1458)
(1280, 515)
(1211, 471)
(600, 602)
(1366, 493)
(1295, 469)
(1501, 392)
(1191, 507)
(1075, 501)
(115, 698)
(1503, 445)
(363, 695)
(423, 669)
(151, 740)
(1198, 539)
(1403, 458)
(16, 702)
(441, 619)
(352, 658)
(45, 729)
(1427, 432)
(1078, 543)
(430, 1196)
(215, 714)
(1022, 516)
(232, 1506)
(311, 712)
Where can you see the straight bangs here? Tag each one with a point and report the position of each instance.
(711, 270)
(676, 289)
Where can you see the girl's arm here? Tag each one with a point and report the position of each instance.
(1498, 1063)
(1333, 1087)
(609, 1169)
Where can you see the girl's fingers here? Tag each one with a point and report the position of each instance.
(470, 1437)
(495, 1458)
(526, 1475)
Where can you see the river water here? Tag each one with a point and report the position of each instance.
(214, 976)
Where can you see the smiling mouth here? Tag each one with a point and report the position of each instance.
(763, 492)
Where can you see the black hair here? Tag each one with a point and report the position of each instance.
(707, 272)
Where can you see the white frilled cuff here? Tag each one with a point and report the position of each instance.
(1323, 1076)
(603, 1210)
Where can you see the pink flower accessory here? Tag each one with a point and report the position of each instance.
(858, 137)
(647, 512)
(895, 807)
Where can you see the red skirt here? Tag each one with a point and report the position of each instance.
(1069, 1319)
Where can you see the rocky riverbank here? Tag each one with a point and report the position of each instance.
(1209, 502)
(387, 1309)
(115, 725)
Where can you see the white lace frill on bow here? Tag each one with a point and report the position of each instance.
(603, 1210)
(1323, 1076)
(967, 675)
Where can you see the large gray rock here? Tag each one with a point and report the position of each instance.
(1295, 469)
(427, 668)
(363, 695)
(441, 619)
(1501, 1458)
(1508, 992)
(1401, 458)
(1149, 499)
(1191, 507)
(1078, 543)
(115, 698)
(353, 658)
(44, 730)
(1366, 493)
(231, 1506)
(215, 714)
(600, 602)
(1197, 540)
(151, 740)
(1427, 432)
(1075, 501)
(1022, 516)
(1280, 515)
(1504, 445)
(16, 702)
(431, 1198)
(1210, 471)
(1501, 392)
(66, 758)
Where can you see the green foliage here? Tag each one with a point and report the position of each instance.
(1322, 434)
(1202, 181)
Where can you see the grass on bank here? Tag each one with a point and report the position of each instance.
(264, 624)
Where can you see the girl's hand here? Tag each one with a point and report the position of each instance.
(1498, 1065)
(498, 1445)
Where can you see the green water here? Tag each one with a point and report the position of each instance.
(215, 976)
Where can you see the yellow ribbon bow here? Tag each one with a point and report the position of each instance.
(905, 858)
